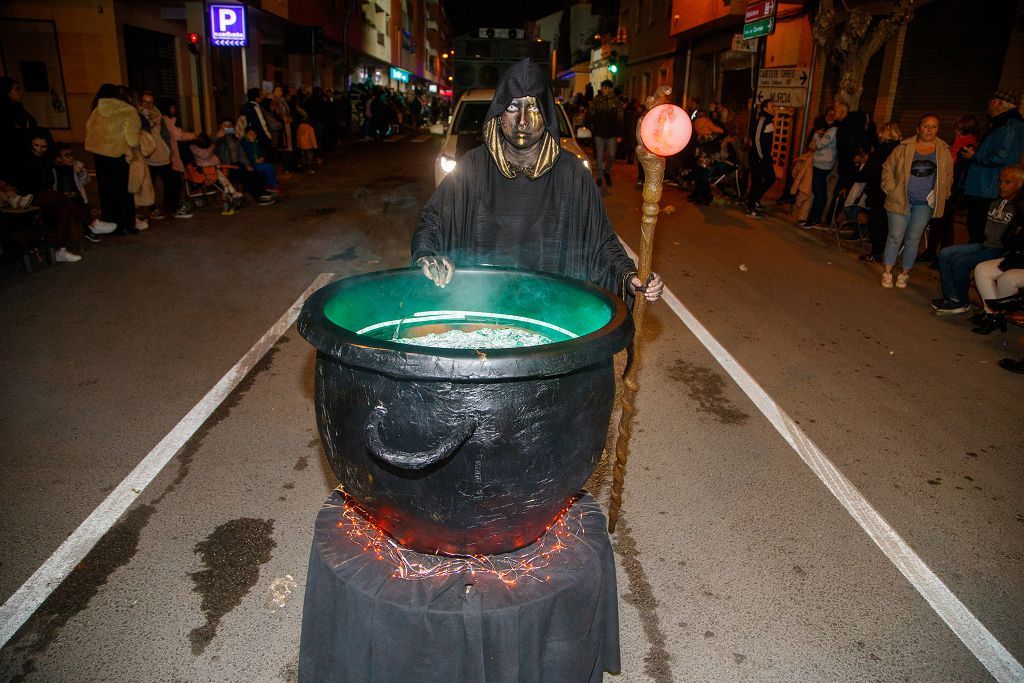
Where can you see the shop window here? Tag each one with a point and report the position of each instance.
(151, 61)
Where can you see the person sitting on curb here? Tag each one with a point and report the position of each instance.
(254, 153)
(1000, 278)
(957, 261)
(64, 217)
(240, 169)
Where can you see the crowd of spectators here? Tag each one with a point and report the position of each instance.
(148, 167)
(871, 181)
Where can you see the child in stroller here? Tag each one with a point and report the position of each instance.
(205, 171)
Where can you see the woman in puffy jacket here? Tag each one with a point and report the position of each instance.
(110, 134)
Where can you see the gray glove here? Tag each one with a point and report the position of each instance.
(437, 268)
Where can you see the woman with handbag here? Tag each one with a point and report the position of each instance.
(917, 178)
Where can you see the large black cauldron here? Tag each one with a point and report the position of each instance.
(461, 450)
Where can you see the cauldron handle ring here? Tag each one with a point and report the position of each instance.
(414, 461)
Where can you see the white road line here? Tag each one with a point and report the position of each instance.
(27, 599)
(989, 651)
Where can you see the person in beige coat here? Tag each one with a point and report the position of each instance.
(111, 133)
(917, 179)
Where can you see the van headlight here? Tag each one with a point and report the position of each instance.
(447, 164)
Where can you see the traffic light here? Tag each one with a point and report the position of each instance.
(613, 63)
(193, 43)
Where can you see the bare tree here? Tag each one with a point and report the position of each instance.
(850, 37)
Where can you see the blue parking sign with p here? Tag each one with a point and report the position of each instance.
(227, 26)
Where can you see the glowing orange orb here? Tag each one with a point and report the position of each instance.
(665, 130)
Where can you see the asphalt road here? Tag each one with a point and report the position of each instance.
(735, 560)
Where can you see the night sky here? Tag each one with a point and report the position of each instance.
(468, 15)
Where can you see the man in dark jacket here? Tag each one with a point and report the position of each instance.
(255, 119)
(606, 126)
(1001, 146)
(762, 168)
(517, 201)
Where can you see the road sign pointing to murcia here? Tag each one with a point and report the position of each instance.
(786, 86)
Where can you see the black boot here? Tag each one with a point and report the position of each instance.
(990, 323)
(1007, 304)
(1013, 365)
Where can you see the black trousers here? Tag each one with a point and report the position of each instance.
(762, 177)
(251, 181)
(117, 205)
(878, 221)
(977, 216)
(172, 186)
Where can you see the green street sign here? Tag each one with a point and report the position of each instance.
(756, 29)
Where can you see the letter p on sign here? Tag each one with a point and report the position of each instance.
(226, 17)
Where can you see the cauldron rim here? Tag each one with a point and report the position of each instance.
(418, 362)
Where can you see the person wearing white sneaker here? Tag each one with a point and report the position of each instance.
(62, 255)
(141, 224)
(56, 194)
(917, 179)
(101, 227)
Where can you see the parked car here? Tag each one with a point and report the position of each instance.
(466, 132)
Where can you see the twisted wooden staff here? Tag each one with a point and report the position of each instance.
(654, 174)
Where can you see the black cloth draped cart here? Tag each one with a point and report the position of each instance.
(558, 623)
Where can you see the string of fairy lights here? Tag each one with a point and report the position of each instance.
(564, 532)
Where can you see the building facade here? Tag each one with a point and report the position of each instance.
(946, 61)
(63, 50)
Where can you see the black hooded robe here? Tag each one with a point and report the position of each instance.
(554, 223)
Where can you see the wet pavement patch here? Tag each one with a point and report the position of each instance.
(641, 596)
(232, 555)
(114, 550)
(707, 388)
(347, 255)
(302, 463)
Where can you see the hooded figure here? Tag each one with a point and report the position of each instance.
(517, 201)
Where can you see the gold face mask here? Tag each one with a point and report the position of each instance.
(522, 123)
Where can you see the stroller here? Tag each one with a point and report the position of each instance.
(209, 184)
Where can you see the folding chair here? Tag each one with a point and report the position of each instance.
(725, 177)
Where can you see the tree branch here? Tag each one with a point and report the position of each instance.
(887, 28)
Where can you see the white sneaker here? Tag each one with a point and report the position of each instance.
(102, 227)
(62, 255)
(141, 225)
(902, 279)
